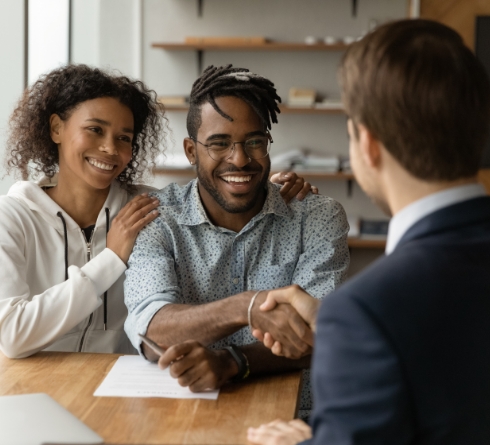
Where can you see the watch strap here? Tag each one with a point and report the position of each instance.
(242, 361)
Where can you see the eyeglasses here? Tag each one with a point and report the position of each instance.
(256, 147)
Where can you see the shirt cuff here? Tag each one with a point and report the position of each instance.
(137, 323)
(104, 270)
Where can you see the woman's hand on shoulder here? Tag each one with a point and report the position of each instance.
(125, 227)
(293, 186)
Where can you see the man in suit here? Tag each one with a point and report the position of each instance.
(402, 351)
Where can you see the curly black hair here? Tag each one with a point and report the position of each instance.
(31, 149)
(255, 90)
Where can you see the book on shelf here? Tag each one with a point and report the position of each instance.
(329, 104)
(306, 160)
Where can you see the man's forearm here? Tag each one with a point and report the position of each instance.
(206, 323)
(263, 361)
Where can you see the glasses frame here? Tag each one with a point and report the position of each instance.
(232, 151)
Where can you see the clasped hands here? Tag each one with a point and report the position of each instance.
(283, 319)
(305, 307)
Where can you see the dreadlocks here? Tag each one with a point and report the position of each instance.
(256, 91)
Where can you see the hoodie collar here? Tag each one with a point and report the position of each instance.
(36, 199)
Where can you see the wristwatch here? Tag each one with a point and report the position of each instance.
(242, 361)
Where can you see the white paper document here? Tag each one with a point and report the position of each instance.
(133, 376)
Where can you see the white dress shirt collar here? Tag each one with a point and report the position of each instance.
(414, 212)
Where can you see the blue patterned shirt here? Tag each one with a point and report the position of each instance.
(181, 257)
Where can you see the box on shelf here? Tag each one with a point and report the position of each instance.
(374, 228)
(345, 164)
(174, 101)
(301, 97)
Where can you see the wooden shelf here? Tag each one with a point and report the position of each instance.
(190, 173)
(199, 48)
(284, 109)
(272, 46)
(362, 243)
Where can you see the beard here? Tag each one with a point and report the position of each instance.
(220, 199)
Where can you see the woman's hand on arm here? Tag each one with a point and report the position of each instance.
(293, 186)
(125, 227)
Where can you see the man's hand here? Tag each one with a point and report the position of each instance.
(197, 367)
(293, 186)
(285, 326)
(305, 305)
(279, 432)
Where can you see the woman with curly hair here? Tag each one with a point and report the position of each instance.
(65, 241)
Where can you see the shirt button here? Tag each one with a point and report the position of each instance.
(235, 280)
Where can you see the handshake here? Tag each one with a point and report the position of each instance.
(299, 308)
(282, 319)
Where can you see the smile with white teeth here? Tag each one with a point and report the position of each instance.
(101, 165)
(237, 178)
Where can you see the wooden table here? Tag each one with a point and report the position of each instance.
(71, 379)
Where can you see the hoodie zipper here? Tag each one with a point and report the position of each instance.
(91, 316)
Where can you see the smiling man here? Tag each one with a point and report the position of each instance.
(194, 276)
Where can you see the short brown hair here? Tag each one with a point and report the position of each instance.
(423, 94)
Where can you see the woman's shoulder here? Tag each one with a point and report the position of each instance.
(12, 210)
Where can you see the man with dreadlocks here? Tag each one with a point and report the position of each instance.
(195, 275)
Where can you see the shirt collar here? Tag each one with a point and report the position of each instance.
(415, 211)
(194, 213)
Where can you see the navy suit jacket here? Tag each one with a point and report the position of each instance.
(402, 352)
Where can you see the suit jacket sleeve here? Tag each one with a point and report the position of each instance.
(360, 394)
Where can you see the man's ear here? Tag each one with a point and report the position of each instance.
(369, 147)
(55, 124)
(190, 150)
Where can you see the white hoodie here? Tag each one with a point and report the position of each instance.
(39, 309)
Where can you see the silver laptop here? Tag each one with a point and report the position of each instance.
(35, 419)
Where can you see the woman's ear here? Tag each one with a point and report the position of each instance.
(55, 124)
(190, 150)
